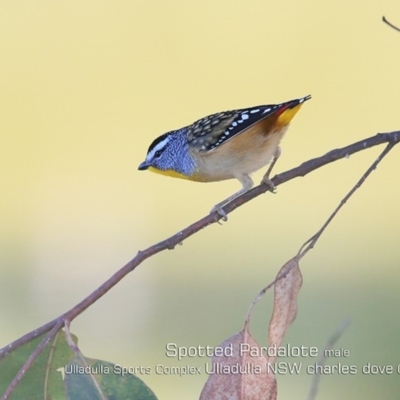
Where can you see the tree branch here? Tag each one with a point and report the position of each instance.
(171, 242)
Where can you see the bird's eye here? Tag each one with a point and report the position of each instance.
(157, 154)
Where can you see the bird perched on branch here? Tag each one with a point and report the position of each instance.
(225, 145)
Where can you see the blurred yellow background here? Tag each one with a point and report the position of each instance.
(86, 86)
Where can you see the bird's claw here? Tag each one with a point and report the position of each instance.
(220, 211)
(269, 183)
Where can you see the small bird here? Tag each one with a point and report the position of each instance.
(225, 145)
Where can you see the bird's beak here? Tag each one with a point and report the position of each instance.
(143, 166)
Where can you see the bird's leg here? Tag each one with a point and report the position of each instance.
(247, 183)
(266, 178)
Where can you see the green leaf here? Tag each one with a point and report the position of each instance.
(57, 374)
(98, 380)
(41, 380)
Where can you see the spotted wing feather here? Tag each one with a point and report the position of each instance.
(210, 132)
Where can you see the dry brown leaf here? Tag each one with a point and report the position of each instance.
(285, 302)
(242, 373)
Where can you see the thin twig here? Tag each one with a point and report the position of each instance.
(68, 337)
(322, 361)
(310, 243)
(295, 261)
(390, 24)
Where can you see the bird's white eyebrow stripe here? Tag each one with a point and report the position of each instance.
(157, 147)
